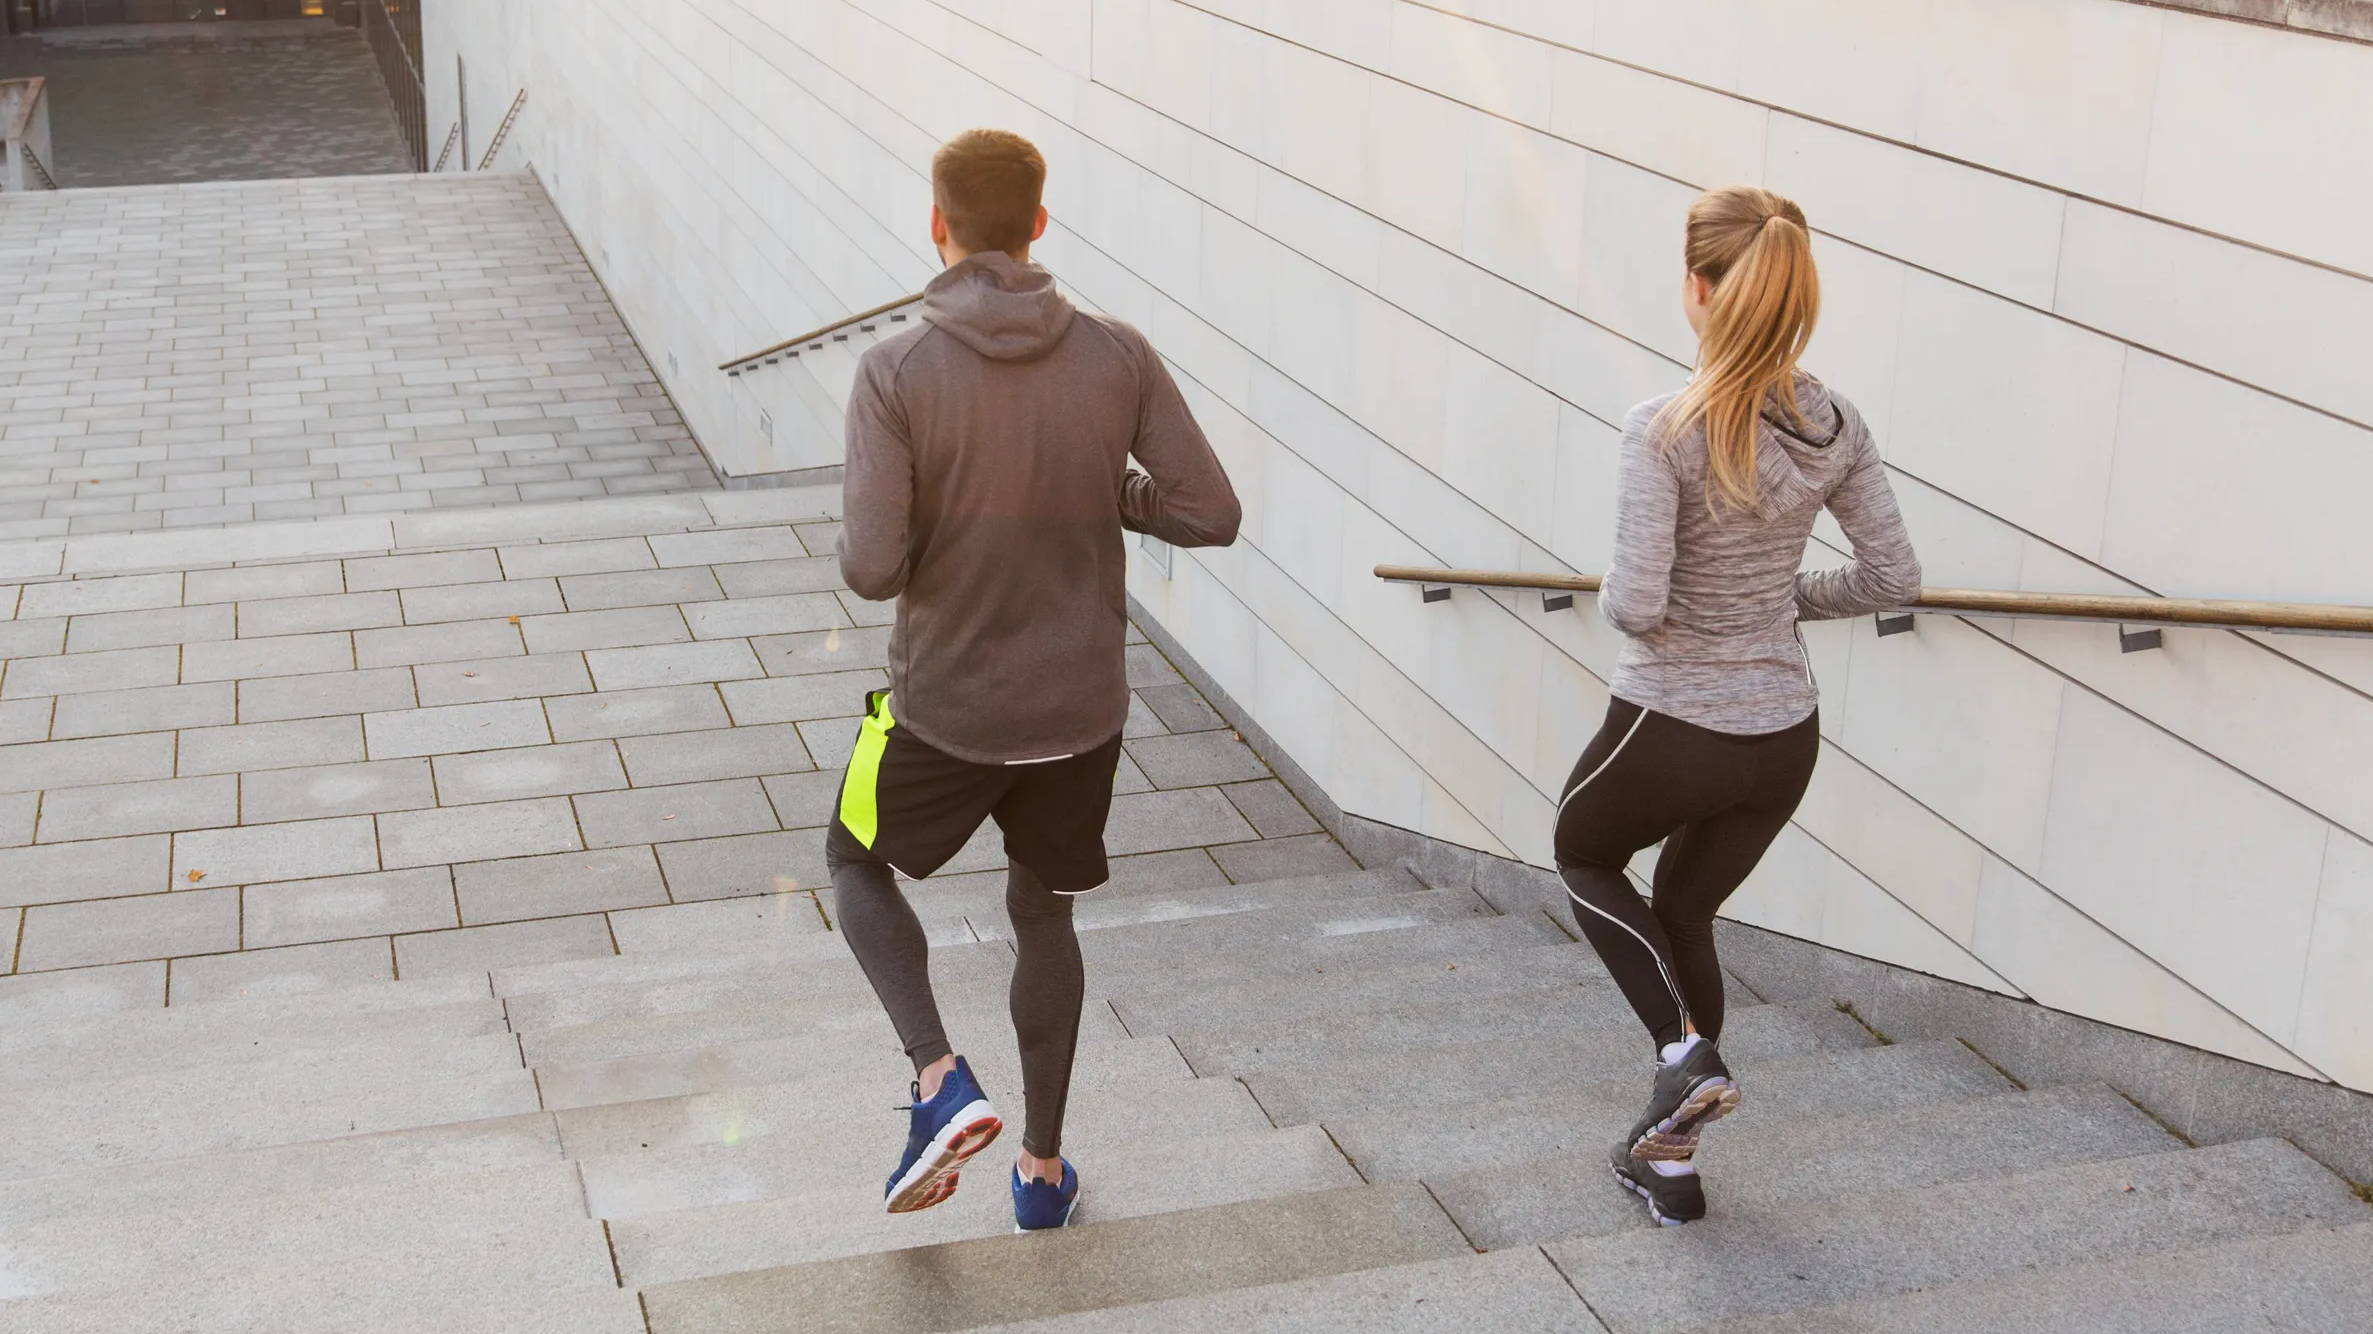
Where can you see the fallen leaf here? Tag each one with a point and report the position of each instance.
(469, 673)
(667, 817)
(196, 876)
(514, 620)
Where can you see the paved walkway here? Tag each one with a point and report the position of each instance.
(207, 355)
(228, 102)
(436, 760)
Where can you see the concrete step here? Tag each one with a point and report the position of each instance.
(737, 980)
(1508, 1290)
(812, 1105)
(259, 1010)
(1481, 1132)
(2317, 1281)
(302, 1227)
(772, 1166)
(180, 1114)
(1316, 988)
(1271, 935)
(755, 957)
(163, 1039)
(265, 1070)
(1754, 1165)
(330, 1166)
(1118, 1183)
(1104, 911)
(1345, 1080)
(861, 1046)
(970, 1283)
(1769, 1260)
(562, 1269)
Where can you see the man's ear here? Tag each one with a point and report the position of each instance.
(1038, 228)
(939, 226)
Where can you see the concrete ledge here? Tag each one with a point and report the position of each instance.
(2207, 1098)
(828, 475)
(2352, 19)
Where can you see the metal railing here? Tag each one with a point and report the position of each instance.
(2139, 618)
(814, 337)
(452, 137)
(502, 131)
(24, 133)
(401, 73)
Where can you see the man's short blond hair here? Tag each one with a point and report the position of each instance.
(988, 185)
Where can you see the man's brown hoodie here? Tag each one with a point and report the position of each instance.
(988, 487)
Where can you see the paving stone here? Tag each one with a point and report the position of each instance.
(726, 545)
(743, 922)
(84, 597)
(808, 800)
(25, 720)
(107, 868)
(1149, 670)
(150, 629)
(673, 814)
(452, 641)
(1128, 779)
(791, 613)
(478, 949)
(1141, 721)
(1182, 708)
(274, 795)
(738, 752)
(83, 992)
(291, 970)
(152, 926)
(282, 698)
(472, 602)
(313, 615)
(770, 578)
(297, 850)
(638, 588)
(554, 886)
(381, 903)
(32, 639)
(1187, 818)
(477, 833)
(863, 612)
(372, 573)
(17, 811)
(672, 664)
(455, 728)
(718, 868)
(626, 713)
(278, 655)
(155, 709)
(274, 745)
(1196, 759)
(820, 539)
(831, 741)
(1283, 858)
(625, 627)
(490, 679)
(259, 582)
(824, 651)
(795, 699)
(530, 771)
(124, 809)
(83, 673)
(1272, 808)
(553, 559)
(54, 764)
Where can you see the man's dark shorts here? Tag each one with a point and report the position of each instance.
(914, 807)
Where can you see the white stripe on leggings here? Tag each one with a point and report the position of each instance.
(1661, 970)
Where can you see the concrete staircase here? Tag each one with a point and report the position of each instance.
(1332, 1102)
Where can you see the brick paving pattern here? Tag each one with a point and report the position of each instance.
(211, 354)
(428, 759)
(233, 102)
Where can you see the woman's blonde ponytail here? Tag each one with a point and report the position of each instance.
(1755, 250)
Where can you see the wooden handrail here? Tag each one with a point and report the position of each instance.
(813, 335)
(2306, 617)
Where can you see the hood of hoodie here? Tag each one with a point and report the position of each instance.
(1794, 463)
(1001, 307)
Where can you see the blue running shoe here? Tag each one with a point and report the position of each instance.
(1039, 1205)
(954, 1125)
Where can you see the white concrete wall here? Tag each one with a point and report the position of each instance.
(2096, 271)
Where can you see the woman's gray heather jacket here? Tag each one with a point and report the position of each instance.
(1709, 599)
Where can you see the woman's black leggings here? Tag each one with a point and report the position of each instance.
(1716, 801)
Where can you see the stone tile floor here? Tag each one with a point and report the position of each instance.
(346, 769)
(207, 355)
(232, 102)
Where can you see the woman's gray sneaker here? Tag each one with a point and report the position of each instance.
(1696, 1090)
(1672, 1200)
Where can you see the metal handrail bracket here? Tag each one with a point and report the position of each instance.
(2138, 618)
(739, 364)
